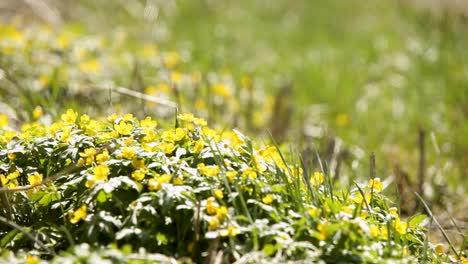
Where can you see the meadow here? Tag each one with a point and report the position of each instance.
(233, 132)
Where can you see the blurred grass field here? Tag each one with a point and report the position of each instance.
(370, 75)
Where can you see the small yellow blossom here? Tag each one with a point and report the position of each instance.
(375, 184)
(342, 119)
(231, 231)
(3, 120)
(221, 213)
(314, 212)
(103, 157)
(393, 211)
(124, 128)
(90, 66)
(32, 260)
(69, 117)
(11, 156)
(231, 175)
(171, 59)
(35, 178)
(66, 133)
(37, 112)
(13, 175)
(439, 249)
(218, 193)
(374, 231)
(198, 147)
(221, 89)
(138, 163)
(139, 175)
(148, 123)
(211, 171)
(167, 147)
(89, 154)
(174, 135)
(249, 173)
(211, 206)
(79, 214)
(112, 117)
(400, 226)
(268, 199)
(100, 173)
(128, 152)
(176, 77)
(317, 178)
(156, 183)
(213, 223)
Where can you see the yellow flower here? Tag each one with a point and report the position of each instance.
(439, 249)
(128, 117)
(231, 175)
(400, 226)
(79, 214)
(342, 119)
(178, 181)
(100, 173)
(176, 77)
(211, 171)
(221, 89)
(317, 178)
(249, 173)
(393, 211)
(232, 231)
(268, 199)
(174, 135)
(124, 128)
(11, 156)
(199, 144)
(35, 178)
(138, 163)
(89, 155)
(37, 112)
(103, 157)
(221, 213)
(32, 260)
(156, 183)
(211, 206)
(90, 66)
(69, 117)
(375, 184)
(374, 230)
(148, 123)
(314, 212)
(218, 193)
(112, 117)
(213, 224)
(139, 175)
(167, 147)
(13, 175)
(171, 59)
(3, 120)
(128, 152)
(357, 198)
(383, 232)
(66, 133)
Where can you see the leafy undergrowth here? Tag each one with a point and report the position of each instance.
(123, 190)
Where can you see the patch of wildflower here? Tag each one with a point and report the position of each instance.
(195, 180)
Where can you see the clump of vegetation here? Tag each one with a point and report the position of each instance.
(82, 188)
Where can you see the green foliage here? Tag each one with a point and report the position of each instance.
(188, 192)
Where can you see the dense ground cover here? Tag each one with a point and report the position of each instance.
(191, 193)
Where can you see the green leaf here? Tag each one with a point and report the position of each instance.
(269, 249)
(101, 197)
(8, 237)
(416, 220)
